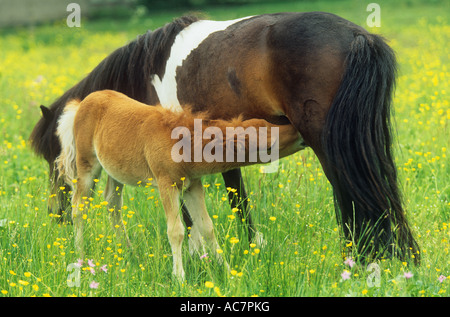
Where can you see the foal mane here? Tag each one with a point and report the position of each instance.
(127, 70)
(186, 118)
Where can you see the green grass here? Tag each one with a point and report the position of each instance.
(293, 207)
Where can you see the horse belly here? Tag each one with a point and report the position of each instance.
(128, 173)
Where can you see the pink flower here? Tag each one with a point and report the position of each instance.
(94, 285)
(407, 275)
(204, 256)
(349, 262)
(442, 278)
(91, 263)
(79, 263)
(345, 275)
(104, 268)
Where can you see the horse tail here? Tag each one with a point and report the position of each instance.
(66, 162)
(357, 140)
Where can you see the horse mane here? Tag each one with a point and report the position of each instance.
(127, 70)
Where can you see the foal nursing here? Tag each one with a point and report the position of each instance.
(133, 142)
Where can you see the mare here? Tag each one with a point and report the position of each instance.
(133, 143)
(328, 77)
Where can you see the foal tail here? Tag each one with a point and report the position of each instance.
(357, 140)
(66, 161)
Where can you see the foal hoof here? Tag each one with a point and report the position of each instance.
(179, 276)
(258, 239)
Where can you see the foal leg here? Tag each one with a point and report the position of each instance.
(202, 228)
(170, 197)
(113, 195)
(83, 187)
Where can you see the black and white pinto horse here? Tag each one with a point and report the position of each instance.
(328, 77)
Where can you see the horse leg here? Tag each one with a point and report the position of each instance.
(202, 229)
(170, 197)
(239, 199)
(58, 203)
(186, 215)
(59, 200)
(113, 195)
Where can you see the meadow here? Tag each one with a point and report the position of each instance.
(293, 208)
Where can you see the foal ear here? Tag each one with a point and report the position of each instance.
(47, 113)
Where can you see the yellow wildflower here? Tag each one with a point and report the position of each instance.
(209, 284)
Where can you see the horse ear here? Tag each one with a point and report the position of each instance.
(47, 113)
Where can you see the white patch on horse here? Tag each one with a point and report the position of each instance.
(185, 42)
(66, 161)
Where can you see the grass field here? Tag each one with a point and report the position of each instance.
(293, 208)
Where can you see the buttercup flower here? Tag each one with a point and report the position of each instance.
(209, 284)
